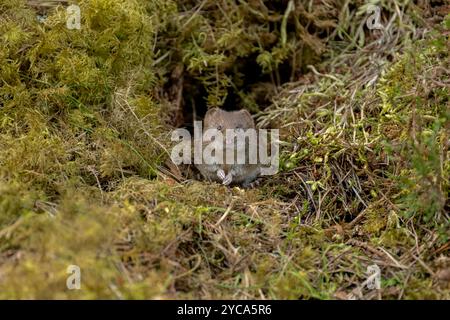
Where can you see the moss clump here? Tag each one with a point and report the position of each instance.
(64, 86)
(419, 144)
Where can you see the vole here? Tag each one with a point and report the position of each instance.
(234, 173)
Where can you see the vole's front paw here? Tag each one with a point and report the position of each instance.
(221, 174)
(228, 179)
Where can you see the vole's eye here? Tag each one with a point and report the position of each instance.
(219, 127)
(238, 129)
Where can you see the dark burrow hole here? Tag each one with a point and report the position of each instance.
(254, 81)
(247, 75)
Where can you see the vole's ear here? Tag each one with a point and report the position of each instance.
(245, 112)
(211, 112)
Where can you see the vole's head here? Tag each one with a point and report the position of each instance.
(222, 120)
